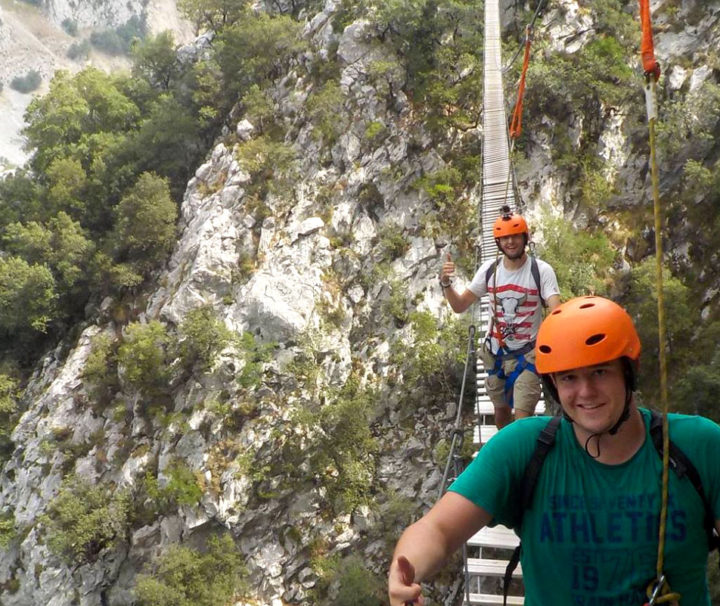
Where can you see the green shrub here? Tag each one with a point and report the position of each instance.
(393, 241)
(452, 212)
(145, 223)
(431, 362)
(396, 305)
(143, 356)
(255, 356)
(8, 532)
(79, 51)
(341, 448)
(100, 369)
(9, 393)
(202, 336)
(270, 164)
(358, 585)
(640, 300)
(181, 488)
(324, 108)
(183, 576)
(119, 41)
(375, 131)
(70, 27)
(27, 83)
(83, 520)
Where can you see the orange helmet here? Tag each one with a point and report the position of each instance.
(583, 332)
(509, 224)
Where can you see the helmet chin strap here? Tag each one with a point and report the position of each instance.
(624, 416)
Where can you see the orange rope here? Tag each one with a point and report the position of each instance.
(647, 50)
(516, 122)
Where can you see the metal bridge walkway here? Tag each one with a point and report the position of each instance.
(490, 549)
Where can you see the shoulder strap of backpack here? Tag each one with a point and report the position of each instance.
(490, 271)
(545, 441)
(683, 466)
(536, 276)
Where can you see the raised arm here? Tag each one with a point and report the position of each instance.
(458, 301)
(426, 545)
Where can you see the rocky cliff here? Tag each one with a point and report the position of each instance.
(324, 281)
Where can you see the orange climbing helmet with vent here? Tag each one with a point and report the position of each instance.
(583, 332)
(509, 224)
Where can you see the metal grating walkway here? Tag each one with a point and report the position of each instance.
(490, 549)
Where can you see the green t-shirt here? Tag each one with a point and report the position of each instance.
(590, 537)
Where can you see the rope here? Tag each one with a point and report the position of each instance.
(516, 122)
(658, 591)
(531, 26)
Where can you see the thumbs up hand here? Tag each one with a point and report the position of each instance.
(448, 270)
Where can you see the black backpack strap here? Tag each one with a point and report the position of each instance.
(489, 273)
(544, 443)
(536, 276)
(683, 466)
(512, 565)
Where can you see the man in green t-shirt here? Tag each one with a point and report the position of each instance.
(590, 536)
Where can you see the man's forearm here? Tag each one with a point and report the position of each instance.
(424, 547)
(458, 302)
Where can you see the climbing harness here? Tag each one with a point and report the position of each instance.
(521, 366)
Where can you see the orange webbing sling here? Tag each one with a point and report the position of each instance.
(647, 50)
(516, 122)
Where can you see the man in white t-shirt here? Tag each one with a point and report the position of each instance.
(517, 286)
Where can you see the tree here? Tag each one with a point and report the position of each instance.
(70, 254)
(27, 297)
(20, 198)
(257, 49)
(31, 241)
(167, 142)
(640, 299)
(213, 15)
(61, 122)
(156, 60)
(61, 246)
(66, 182)
(582, 261)
(145, 227)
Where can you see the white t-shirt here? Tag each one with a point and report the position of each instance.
(515, 307)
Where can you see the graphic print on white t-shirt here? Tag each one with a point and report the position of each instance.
(515, 307)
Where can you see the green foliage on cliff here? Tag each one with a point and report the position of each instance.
(83, 520)
(185, 576)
